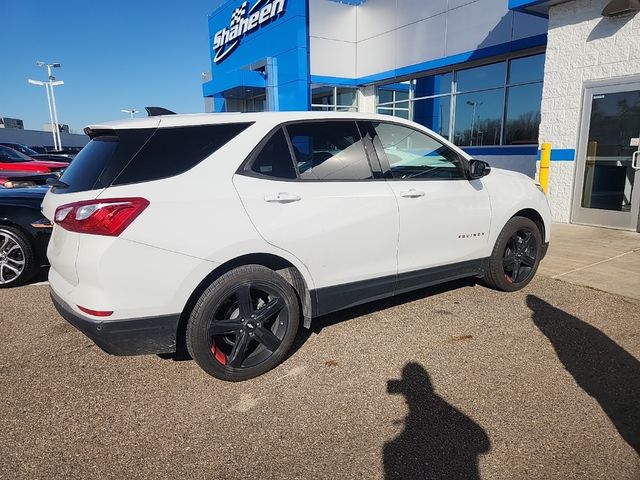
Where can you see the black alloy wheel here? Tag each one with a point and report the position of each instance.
(244, 323)
(520, 256)
(249, 326)
(515, 257)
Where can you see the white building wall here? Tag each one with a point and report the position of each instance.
(582, 46)
(383, 35)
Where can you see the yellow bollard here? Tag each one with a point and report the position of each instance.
(545, 160)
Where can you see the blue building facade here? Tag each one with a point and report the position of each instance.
(471, 70)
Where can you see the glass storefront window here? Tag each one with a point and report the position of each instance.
(474, 100)
(326, 98)
(433, 85)
(395, 112)
(478, 118)
(526, 69)
(393, 92)
(523, 114)
(479, 78)
(384, 95)
(433, 113)
(322, 96)
(346, 99)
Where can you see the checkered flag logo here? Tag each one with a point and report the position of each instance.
(238, 14)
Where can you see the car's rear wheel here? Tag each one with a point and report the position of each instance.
(17, 261)
(243, 324)
(515, 257)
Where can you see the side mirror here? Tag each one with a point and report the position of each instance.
(479, 169)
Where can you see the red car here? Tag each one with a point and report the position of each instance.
(11, 159)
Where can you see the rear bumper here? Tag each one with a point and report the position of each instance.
(136, 336)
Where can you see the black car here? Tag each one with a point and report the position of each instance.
(24, 235)
(37, 155)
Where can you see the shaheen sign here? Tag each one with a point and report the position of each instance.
(244, 22)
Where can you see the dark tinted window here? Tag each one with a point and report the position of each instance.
(478, 78)
(274, 160)
(527, 69)
(140, 155)
(329, 151)
(172, 151)
(10, 155)
(102, 159)
(415, 155)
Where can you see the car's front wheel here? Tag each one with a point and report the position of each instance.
(17, 260)
(515, 257)
(243, 324)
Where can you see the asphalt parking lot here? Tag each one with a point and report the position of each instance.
(454, 382)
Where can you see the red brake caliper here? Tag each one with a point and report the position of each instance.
(218, 354)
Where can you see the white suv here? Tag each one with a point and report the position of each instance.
(222, 232)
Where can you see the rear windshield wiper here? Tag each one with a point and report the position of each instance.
(55, 182)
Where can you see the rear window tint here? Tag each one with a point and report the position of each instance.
(274, 160)
(141, 155)
(101, 160)
(172, 151)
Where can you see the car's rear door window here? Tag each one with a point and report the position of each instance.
(329, 150)
(274, 159)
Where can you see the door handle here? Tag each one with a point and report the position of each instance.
(282, 197)
(634, 160)
(412, 193)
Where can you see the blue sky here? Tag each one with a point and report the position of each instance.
(114, 55)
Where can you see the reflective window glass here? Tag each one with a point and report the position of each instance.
(346, 97)
(478, 78)
(384, 95)
(413, 154)
(433, 113)
(523, 114)
(274, 160)
(322, 96)
(478, 117)
(526, 69)
(433, 85)
(329, 151)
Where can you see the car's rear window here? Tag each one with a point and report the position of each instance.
(141, 155)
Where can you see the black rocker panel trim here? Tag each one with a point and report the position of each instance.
(332, 299)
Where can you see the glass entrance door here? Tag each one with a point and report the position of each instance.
(607, 187)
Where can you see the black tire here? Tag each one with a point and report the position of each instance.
(17, 253)
(515, 257)
(250, 312)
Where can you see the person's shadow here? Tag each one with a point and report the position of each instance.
(438, 441)
(600, 366)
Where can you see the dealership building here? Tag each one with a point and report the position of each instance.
(496, 77)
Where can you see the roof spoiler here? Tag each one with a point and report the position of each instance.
(155, 111)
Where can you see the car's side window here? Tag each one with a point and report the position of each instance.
(329, 150)
(413, 154)
(274, 160)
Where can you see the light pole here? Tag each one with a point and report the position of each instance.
(131, 112)
(473, 118)
(51, 100)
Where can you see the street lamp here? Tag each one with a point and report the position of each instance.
(131, 112)
(51, 100)
(473, 118)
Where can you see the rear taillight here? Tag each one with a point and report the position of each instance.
(100, 217)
